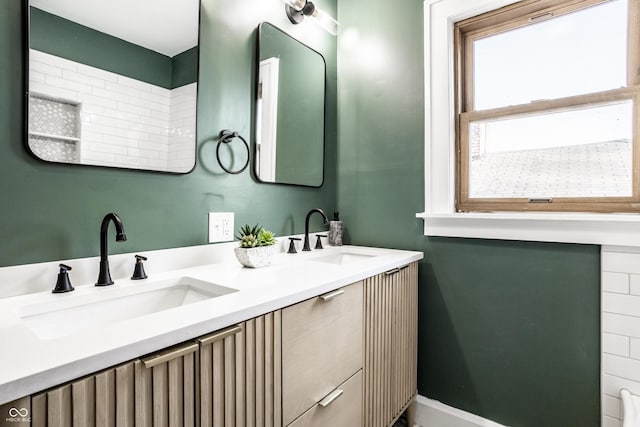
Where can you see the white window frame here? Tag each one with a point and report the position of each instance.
(440, 217)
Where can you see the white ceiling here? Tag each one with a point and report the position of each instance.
(166, 26)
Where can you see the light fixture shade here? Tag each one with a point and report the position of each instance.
(325, 21)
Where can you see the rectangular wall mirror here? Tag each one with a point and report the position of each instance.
(113, 83)
(290, 110)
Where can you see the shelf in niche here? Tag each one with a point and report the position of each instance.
(54, 133)
(57, 137)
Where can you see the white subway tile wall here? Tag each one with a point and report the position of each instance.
(124, 122)
(182, 123)
(620, 364)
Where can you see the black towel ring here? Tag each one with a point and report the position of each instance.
(226, 136)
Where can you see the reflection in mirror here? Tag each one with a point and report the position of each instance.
(114, 83)
(290, 110)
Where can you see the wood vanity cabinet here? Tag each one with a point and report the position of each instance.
(343, 359)
(350, 356)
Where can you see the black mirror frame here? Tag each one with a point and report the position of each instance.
(255, 118)
(26, 40)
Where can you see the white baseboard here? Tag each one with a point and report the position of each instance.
(432, 413)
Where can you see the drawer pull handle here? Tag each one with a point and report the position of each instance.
(166, 356)
(330, 398)
(395, 270)
(332, 295)
(220, 335)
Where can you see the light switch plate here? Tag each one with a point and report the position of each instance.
(220, 227)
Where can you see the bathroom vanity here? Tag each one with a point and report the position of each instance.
(327, 338)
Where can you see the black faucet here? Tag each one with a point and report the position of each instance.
(104, 276)
(306, 246)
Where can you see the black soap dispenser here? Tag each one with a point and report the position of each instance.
(63, 284)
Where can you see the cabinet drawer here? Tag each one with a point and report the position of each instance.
(321, 347)
(345, 410)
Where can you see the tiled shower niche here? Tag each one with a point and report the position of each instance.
(54, 129)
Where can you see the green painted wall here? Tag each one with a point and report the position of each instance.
(184, 68)
(52, 211)
(508, 330)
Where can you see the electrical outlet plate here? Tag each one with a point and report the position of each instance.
(220, 227)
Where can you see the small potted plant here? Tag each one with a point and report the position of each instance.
(257, 246)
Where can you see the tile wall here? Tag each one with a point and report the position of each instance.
(182, 128)
(124, 122)
(620, 329)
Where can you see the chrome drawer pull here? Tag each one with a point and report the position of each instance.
(330, 397)
(332, 295)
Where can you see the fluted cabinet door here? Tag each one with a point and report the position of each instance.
(391, 344)
(405, 337)
(104, 399)
(166, 388)
(240, 375)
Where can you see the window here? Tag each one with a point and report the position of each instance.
(546, 107)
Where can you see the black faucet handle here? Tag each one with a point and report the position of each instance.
(63, 284)
(318, 241)
(138, 270)
(292, 245)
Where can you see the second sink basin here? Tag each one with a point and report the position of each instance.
(49, 322)
(343, 258)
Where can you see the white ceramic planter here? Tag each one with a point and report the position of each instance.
(256, 257)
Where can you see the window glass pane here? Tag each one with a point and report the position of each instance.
(583, 152)
(581, 52)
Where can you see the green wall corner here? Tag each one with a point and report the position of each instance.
(184, 68)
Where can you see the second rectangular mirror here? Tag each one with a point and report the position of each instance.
(290, 110)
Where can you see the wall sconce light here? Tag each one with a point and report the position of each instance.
(297, 10)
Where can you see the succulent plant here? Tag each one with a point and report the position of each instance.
(266, 238)
(249, 241)
(251, 237)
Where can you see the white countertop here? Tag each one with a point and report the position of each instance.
(30, 363)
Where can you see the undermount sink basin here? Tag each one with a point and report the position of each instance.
(50, 321)
(343, 258)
